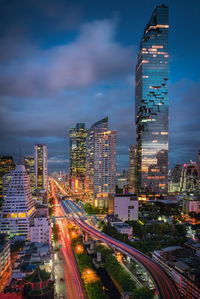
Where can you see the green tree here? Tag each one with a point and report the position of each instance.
(143, 293)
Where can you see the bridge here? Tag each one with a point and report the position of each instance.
(166, 288)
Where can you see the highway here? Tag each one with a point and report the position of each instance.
(165, 286)
(69, 274)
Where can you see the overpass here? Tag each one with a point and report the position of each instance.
(166, 288)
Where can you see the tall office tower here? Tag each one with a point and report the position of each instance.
(29, 163)
(78, 157)
(18, 206)
(6, 164)
(132, 169)
(151, 105)
(100, 159)
(41, 175)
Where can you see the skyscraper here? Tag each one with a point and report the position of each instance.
(6, 164)
(132, 169)
(29, 163)
(100, 159)
(151, 105)
(41, 175)
(18, 206)
(78, 157)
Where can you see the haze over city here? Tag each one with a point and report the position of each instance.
(69, 62)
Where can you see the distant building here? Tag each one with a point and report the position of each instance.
(78, 157)
(190, 177)
(124, 207)
(18, 206)
(6, 164)
(4, 255)
(191, 204)
(175, 179)
(29, 163)
(100, 159)
(41, 173)
(132, 169)
(40, 230)
(151, 105)
(121, 182)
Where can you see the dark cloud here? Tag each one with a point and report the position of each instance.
(92, 57)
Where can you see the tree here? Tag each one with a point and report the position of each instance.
(180, 230)
(143, 293)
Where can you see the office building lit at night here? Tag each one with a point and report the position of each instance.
(41, 175)
(18, 206)
(100, 160)
(78, 157)
(29, 163)
(151, 106)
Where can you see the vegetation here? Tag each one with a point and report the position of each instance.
(91, 281)
(55, 231)
(90, 209)
(142, 293)
(151, 237)
(115, 270)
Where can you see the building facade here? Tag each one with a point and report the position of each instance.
(100, 159)
(40, 230)
(124, 207)
(132, 169)
(151, 105)
(29, 163)
(78, 157)
(41, 173)
(190, 177)
(4, 256)
(18, 206)
(6, 164)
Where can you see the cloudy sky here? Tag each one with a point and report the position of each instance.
(64, 62)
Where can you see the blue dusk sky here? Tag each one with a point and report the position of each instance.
(64, 62)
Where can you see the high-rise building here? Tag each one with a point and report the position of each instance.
(132, 169)
(100, 159)
(78, 157)
(151, 105)
(6, 164)
(41, 175)
(190, 178)
(18, 206)
(29, 163)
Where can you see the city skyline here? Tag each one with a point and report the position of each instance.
(98, 91)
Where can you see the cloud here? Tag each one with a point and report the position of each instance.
(91, 58)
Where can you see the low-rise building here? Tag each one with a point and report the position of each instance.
(32, 255)
(120, 226)
(123, 206)
(40, 230)
(182, 267)
(191, 204)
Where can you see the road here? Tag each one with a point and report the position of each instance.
(68, 280)
(166, 287)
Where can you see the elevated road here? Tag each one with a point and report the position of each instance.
(166, 288)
